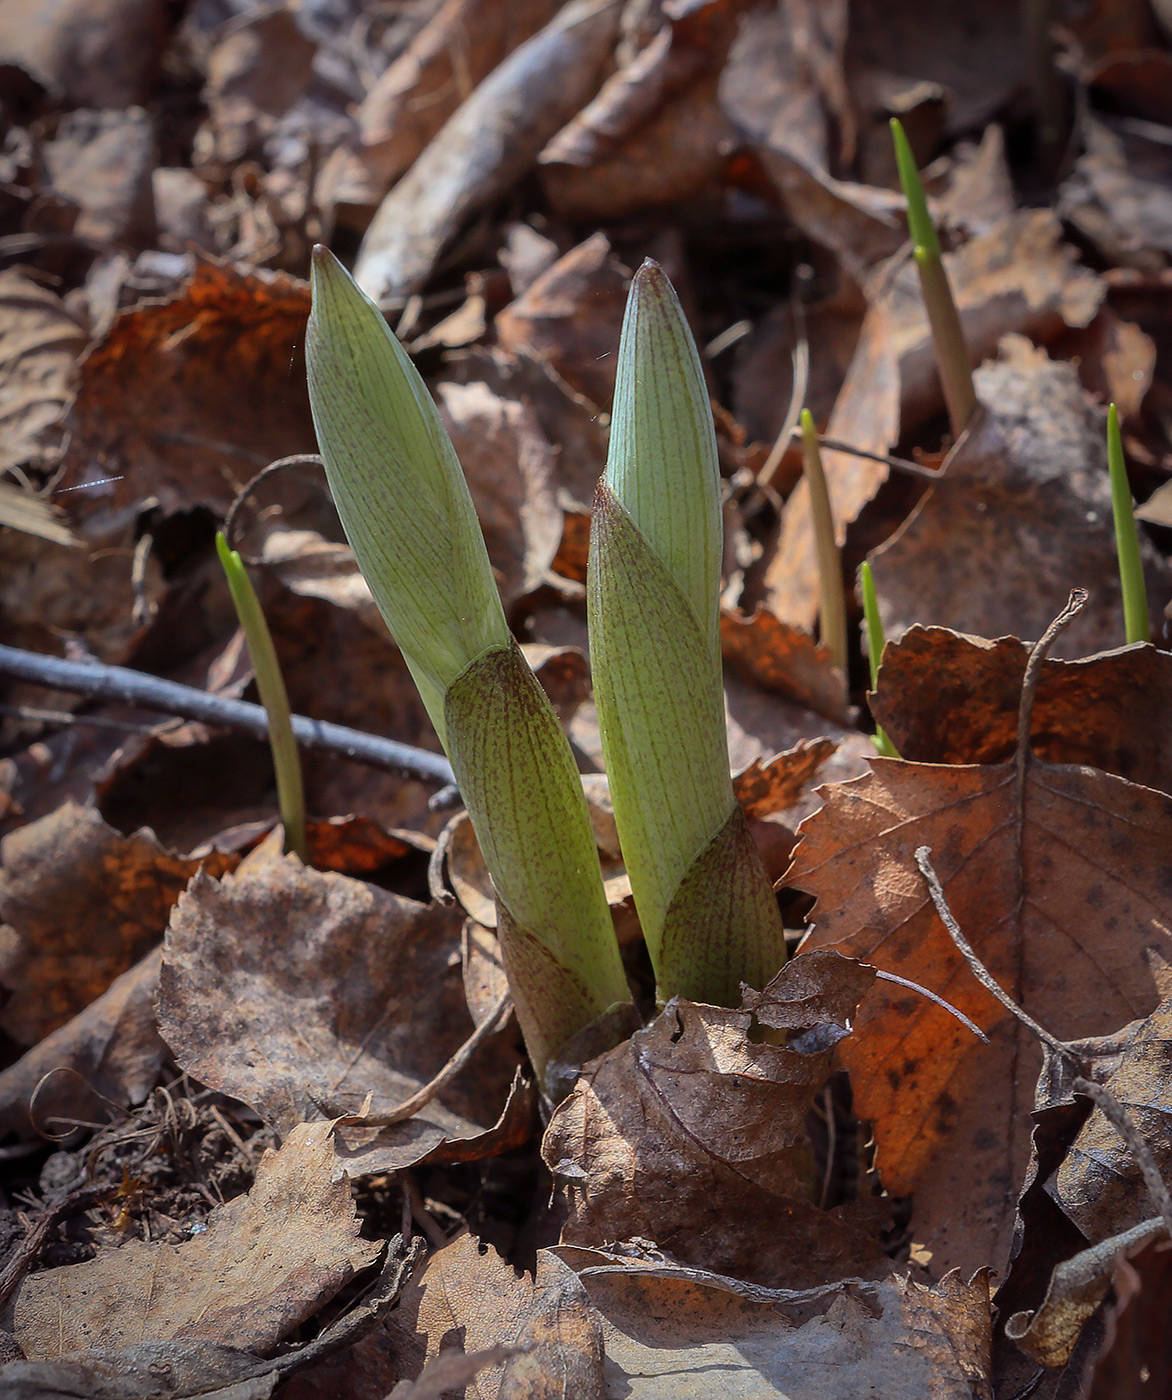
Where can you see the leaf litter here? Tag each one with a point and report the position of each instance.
(780, 1193)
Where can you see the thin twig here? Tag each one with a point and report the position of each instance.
(932, 996)
(100, 682)
(977, 967)
(1137, 1144)
(1033, 673)
(299, 459)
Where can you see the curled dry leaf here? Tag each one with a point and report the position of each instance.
(571, 316)
(944, 697)
(1077, 1287)
(266, 1262)
(490, 142)
(1020, 516)
(184, 399)
(1099, 1184)
(1059, 885)
(40, 342)
(691, 1135)
(80, 904)
(655, 135)
(385, 1014)
(109, 1054)
(143, 1371)
(1133, 1360)
(456, 50)
(1017, 278)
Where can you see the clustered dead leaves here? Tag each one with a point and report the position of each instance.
(268, 1127)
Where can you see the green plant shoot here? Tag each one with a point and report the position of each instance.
(704, 900)
(875, 644)
(952, 356)
(832, 614)
(408, 514)
(1131, 570)
(273, 696)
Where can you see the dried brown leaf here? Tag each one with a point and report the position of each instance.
(40, 342)
(410, 102)
(1099, 1184)
(510, 467)
(184, 399)
(103, 162)
(1019, 277)
(489, 144)
(1021, 515)
(80, 904)
(386, 1012)
(690, 1135)
(1059, 904)
(108, 1055)
(571, 316)
(266, 1262)
(92, 53)
(668, 1330)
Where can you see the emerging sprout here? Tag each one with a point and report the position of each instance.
(832, 615)
(273, 696)
(1131, 570)
(409, 516)
(952, 356)
(875, 645)
(704, 900)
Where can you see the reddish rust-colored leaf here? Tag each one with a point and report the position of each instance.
(944, 697)
(184, 399)
(784, 660)
(1060, 916)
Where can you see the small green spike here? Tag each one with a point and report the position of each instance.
(952, 356)
(1131, 570)
(833, 610)
(273, 696)
(875, 644)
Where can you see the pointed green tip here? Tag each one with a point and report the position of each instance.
(809, 427)
(919, 221)
(228, 557)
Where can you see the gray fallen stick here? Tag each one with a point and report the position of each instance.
(100, 682)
